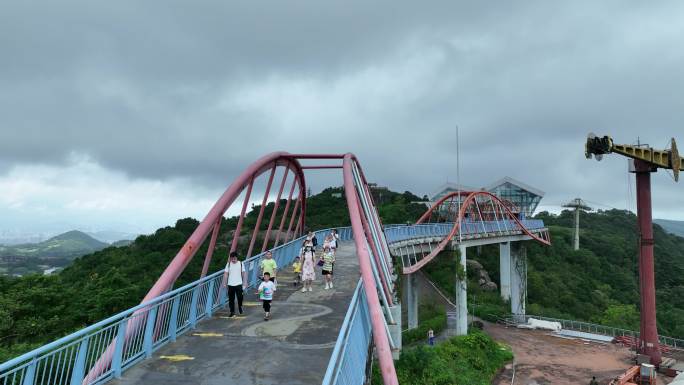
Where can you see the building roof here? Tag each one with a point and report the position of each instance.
(515, 182)
(448, 186)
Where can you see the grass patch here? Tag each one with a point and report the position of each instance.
(464, 360)
(430, 316)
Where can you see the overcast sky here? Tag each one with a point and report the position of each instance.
(127, 115)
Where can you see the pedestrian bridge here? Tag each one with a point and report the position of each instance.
(294, 347)
(182, 335)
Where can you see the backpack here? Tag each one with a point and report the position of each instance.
(314, 241)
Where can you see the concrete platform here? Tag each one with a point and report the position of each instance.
(294, 347)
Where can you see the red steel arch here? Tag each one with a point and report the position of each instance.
(476, 208)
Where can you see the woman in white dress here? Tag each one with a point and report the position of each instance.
(307, 257)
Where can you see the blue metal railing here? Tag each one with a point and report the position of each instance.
(104, 350)
(397, 233)
(351, 353)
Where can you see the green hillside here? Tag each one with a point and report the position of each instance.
(598, 283)
(56, 252)
(68, 245)
(122, 243)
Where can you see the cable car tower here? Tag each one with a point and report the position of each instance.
(645, 160)
(577, 204)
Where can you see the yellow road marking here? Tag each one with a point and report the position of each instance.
(236, 317)
(177, 358)
(251, 304)
(208, 334)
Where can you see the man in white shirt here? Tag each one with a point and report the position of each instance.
(237, 281)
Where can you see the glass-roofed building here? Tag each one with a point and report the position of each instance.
(449, 188)
(523, 196)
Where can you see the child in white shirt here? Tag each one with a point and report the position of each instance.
(265, 291)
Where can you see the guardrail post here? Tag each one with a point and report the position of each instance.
(193, 307)
(253, 271)
(118, 349)
(149, 331)
(293, 248)
(30, 373)
(210, 298)
(79, 365)
(223, 295)
(173, 323)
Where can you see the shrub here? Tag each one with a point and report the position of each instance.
(431, 317)
(465, 360)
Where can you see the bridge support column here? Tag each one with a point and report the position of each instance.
(505, 270)
(518, 280)
(395, 330)
(462, 296)
(412, 294)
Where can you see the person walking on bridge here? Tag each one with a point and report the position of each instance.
(308, 272)
(269, 265)
(237, 282)
(311, 237)
(265, 291)
(334, 243)
(297, 268)
(328, 261)
(326, 242)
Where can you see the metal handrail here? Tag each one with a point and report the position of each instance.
(670, 342)
(398, 233)
(153, 324)
(339, 356)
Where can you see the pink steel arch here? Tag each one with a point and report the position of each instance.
(361, 228)
(211, 224)
(213, 219)
(476, 208)
(358, 218)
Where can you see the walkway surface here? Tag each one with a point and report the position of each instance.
(294, 347)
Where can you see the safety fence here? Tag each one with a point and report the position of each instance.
(581, 326)
(398, 233)
(351, 354)
(104, 350)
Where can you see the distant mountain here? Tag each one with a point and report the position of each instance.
(672, 227)
(110, 236)
(69, 245)
(122, 243)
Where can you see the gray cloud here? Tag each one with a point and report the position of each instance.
(163, 90)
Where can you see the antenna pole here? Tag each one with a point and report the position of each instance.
(458, 183)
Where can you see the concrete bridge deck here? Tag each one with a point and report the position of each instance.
(294, 347)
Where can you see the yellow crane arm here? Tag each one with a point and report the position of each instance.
(668, 159)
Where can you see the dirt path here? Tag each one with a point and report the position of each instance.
(544, 359)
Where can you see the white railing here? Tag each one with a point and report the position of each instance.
(587, 327)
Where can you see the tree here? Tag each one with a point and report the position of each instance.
(621, 316)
